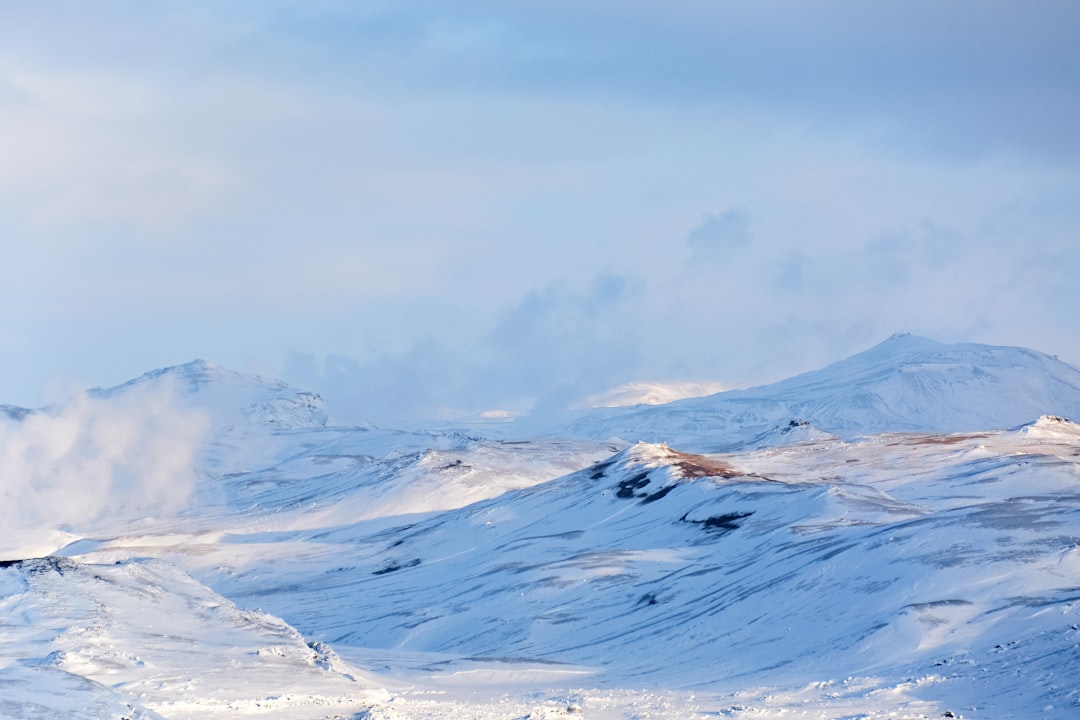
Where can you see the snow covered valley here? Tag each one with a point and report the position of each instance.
(884, 538)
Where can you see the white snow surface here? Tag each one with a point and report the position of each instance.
(823, 566)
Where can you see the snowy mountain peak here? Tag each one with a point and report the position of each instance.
(199, 373)
(904, 384)
(198, 370)
(905, 350)
(228, 394)
(905, 341)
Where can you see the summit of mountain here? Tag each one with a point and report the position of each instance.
(906, 383)
(231, 395)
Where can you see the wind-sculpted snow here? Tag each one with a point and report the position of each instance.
(141, 639)
(906, 383)
(345, 572)
(901, 556)
(893, 556)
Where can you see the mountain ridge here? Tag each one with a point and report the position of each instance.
(266, 401)
(905, 383)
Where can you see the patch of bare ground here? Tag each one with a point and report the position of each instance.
(697, 466)
(939, 439)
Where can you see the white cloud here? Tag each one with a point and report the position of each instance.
(653, 393)
(553, 346)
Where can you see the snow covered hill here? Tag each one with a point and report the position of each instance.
(906, 383)
(897, 535)
(890, 556)
(109, 640)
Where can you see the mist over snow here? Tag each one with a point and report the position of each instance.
(93, 461)
(544, 354)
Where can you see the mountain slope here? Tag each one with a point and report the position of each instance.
(895, 556)
(904, 384)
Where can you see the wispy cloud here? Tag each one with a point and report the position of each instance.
(720, 236)
(552, 347)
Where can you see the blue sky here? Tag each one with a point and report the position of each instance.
(430, 208)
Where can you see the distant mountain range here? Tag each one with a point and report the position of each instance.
(904, 384)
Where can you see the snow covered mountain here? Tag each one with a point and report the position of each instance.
(904, 384)
(892, 555)
(231, 397)
(244, 412)
(888, 537)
